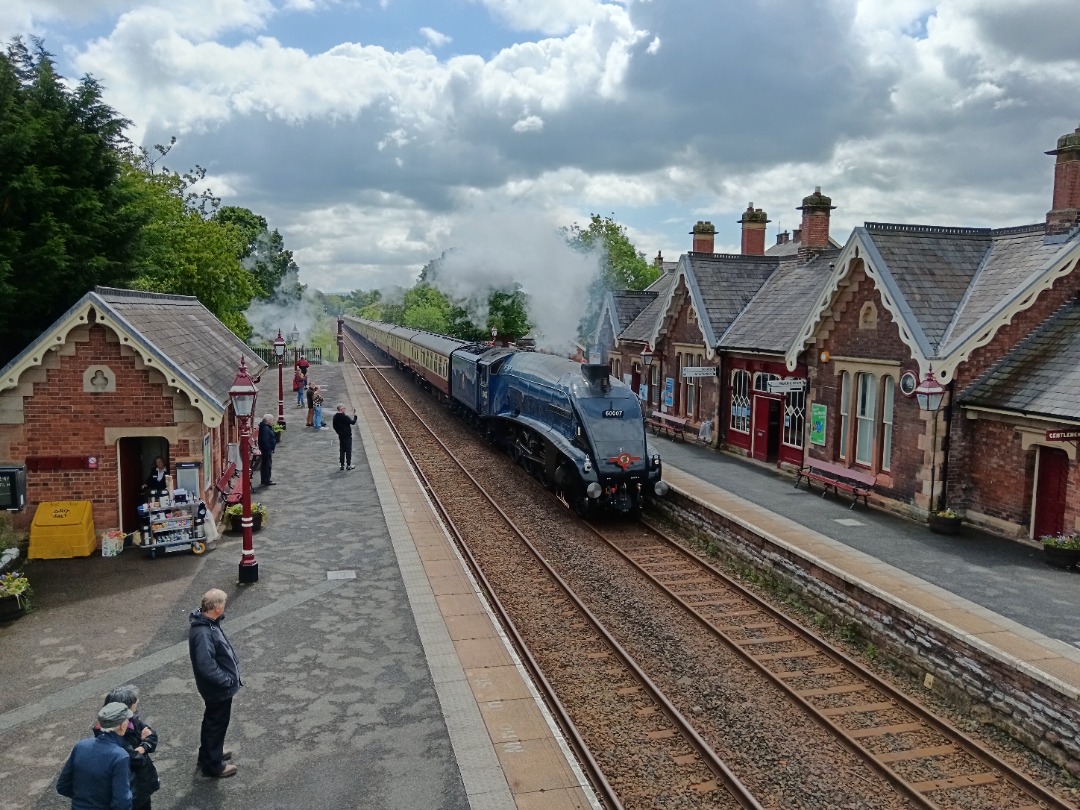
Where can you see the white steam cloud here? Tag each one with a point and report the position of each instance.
(283, 312)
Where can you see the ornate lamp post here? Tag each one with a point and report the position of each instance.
(930, 395)
(279, 350)
(646, 364)
(243, 394)
(294, 339)
(646, 356)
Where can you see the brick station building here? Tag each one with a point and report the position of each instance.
(120, 378)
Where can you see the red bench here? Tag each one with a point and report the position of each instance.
(227, 487)
(672, 426)
(856, 482)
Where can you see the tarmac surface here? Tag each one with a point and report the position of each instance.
(1004, 576)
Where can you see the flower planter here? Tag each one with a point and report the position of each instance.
(235, 524)
(1061, 557)
(944, 525)
(11, 608)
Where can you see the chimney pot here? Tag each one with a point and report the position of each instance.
(1065, 214)
(704, 234)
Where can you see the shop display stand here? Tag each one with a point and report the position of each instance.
(169, 526)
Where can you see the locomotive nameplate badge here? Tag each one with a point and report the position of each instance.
(624, 460)
(613, 413)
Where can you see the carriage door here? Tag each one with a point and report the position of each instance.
(1052, 473)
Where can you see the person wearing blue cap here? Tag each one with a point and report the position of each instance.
(97, 775)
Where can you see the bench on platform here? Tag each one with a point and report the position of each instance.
(856, 482)
(228, 486)
(672, 426)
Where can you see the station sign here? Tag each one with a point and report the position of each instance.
(700, 371)
(1063, 435)
(786, 386)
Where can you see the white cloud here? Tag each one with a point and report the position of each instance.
(530, 123)
(436, 39)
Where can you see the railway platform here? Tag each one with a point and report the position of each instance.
(374, 676)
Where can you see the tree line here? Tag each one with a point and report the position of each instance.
(80, 206)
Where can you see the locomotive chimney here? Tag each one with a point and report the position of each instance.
(597, 374)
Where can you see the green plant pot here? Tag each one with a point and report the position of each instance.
(1061, 557)
(944, 525)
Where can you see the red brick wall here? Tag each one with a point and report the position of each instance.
(63, 420)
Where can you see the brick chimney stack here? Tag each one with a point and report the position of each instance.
(704, 234)
(753, 231)
(1066, 212)
(814, 233)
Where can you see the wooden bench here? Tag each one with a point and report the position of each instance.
(673, 427)
(228, 486)
(856, 482)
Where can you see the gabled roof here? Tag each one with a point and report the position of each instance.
(646, 325)
(949, 289)
(175, 334)
(1041, 376)
(773, 318)
(721, 285)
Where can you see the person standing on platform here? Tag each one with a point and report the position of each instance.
(267, 443)
(343, 428)
(156, 484)
(299, 383)
(311, 404)
(317, 401)
(217, 677)
(140, 741)
(98, 773)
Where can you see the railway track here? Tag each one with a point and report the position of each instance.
(646, 748)
(918, 758)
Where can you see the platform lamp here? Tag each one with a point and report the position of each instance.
(279, 350)
(930, 395)
(243, 394)
(294, 339)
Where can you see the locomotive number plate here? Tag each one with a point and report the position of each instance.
(612, 413)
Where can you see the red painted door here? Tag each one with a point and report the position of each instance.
(759, 430)
(1050, 492)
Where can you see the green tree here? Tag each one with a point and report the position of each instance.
(508, 313)
(66, 223)
(426, 308)
(264, 254)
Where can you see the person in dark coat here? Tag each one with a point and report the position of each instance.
(97, 774)
(267, 443)
(217, 677)
(156, 485)
(140, 741)
(310, 393)
(343, 428)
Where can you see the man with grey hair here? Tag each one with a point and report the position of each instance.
(217, 677)
(342, 425)
(267, 443)
(97, 773)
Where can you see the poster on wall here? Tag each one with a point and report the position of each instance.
(643, 392)
(818, 414)
(669, 392)
(207, 467)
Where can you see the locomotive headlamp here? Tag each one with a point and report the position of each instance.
(660, 488)
(656, 459)
(587, 466)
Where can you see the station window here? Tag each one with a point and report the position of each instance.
(866, 415)
(888, 391)
(845, 393)
(740, 401)
(794, 418)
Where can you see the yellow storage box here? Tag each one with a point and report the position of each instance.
(62, 529)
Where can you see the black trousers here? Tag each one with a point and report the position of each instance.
(215, 723)
(344, 451)
(265, 468)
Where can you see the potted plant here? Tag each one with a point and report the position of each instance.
(235, 512)
(14, 592)
(944, 521)
(279, 430)
(1062, 550)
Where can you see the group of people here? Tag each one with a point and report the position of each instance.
(112, 770)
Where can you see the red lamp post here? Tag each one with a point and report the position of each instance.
(243, 394)
(279, 350)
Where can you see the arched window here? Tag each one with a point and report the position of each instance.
(865, 415)
(740, 401)
(794, 418)
(888, 392)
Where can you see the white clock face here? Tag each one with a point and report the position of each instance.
(908, 383)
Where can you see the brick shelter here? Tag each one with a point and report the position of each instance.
(122, 377)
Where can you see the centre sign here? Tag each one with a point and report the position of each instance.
(700, 371)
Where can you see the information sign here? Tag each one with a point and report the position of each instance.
(818, 416)
(786, 386)
(1062, 435)
(669, 392)
(699, 371)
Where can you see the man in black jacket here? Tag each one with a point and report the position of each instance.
(343, 428)
(267, 443)
(217, 677)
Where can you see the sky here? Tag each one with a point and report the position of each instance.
(377, 134)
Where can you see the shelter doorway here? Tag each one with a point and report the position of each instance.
(766, 429)
(1052, 478)
(137, 454)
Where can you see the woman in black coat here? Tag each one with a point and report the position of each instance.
(139, 741)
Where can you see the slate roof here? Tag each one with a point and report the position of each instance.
(791, 247)
(722, 286)
(646, 323)
(1041, 376)
(771, 322)
(200, 347)
(628, 304)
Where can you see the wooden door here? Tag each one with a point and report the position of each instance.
(1053, 479)
(759, 429)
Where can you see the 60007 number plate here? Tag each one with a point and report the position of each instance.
(612, 413)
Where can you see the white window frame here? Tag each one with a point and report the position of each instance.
(845, 396)
(888, 388)
(866, 418)
(740, 399)
(794, 418)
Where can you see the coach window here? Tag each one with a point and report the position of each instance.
(865, 414)
(740, 401)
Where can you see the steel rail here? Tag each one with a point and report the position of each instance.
(709, 757)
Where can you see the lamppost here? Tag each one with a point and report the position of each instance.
(294, 339)
(243, 394)
(646, 365)
(494, 334)
(930, 395)
(279, 350)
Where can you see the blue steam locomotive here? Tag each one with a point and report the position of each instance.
(572, 426)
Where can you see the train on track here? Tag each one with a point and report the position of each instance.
(570, 425)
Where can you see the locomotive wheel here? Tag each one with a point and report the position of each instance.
(580, 502)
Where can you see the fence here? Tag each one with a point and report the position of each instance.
(292, 355)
